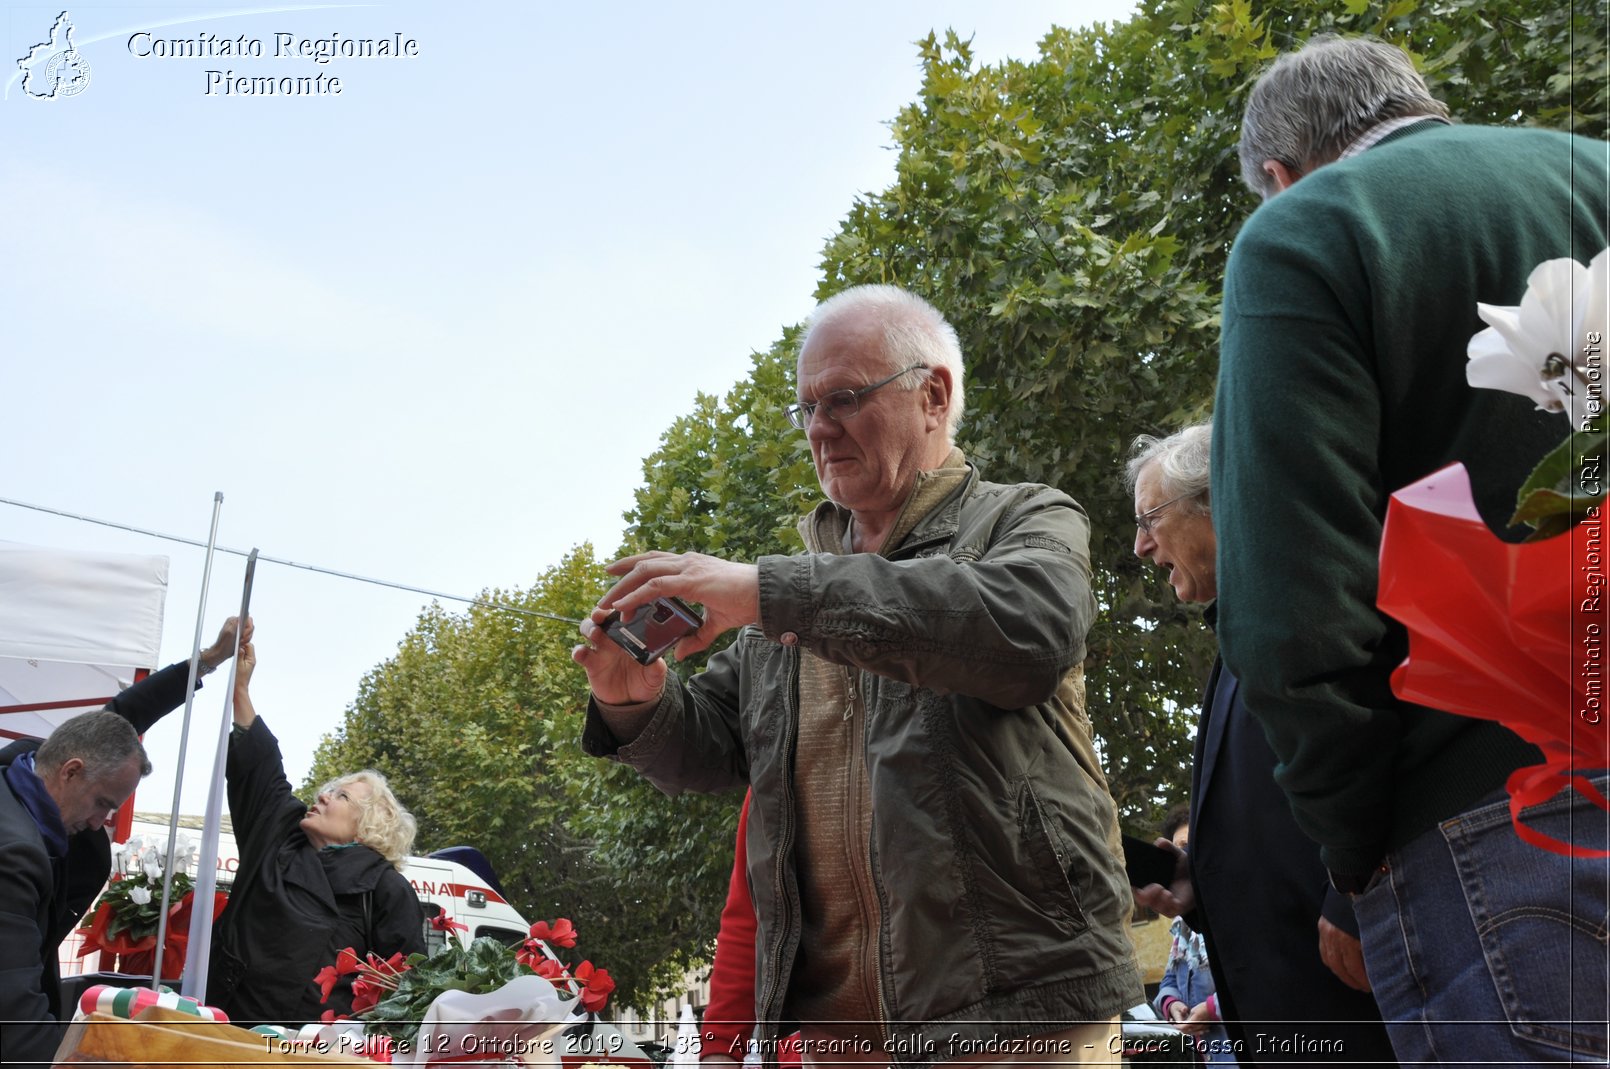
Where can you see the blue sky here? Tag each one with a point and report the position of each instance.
(426, 329)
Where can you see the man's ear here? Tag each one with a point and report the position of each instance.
(938, 390)
(1284, 177)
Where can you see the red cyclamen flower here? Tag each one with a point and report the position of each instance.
(597, 986)
(385, 971)
(326, 982)
(551, 970)
(365, 995)
(559, 934)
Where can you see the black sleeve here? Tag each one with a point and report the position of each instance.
(31, 1043)
(89, 863)
(153, 697)
(259, 793)
(399, 922)
(1338, 909)
(142, 705)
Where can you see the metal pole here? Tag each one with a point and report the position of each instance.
(184, 737)
(198, 951)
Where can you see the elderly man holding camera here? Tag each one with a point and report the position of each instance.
(931, 844)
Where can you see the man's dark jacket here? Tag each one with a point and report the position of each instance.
(1260, 888)
(38, 909)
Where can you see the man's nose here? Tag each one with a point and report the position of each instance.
(822, 426)
(1143, 544)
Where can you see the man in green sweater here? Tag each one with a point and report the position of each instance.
(1349, 299)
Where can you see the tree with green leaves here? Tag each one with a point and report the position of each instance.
(476, 722)
(1071, 215)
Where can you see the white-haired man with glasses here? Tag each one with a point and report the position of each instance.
(931, 844)
(1283, 945)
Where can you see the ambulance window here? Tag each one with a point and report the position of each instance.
(434, 939)
(506, 936)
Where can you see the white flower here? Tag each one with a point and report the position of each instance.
(139, 895)
(129, 861)
(184, 858)
(152, 864)
(1550, 347)
(127, 855)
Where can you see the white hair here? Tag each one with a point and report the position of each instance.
(384, 825)
(913, 331)
(1182, 464)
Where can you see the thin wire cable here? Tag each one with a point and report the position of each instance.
(480, 602)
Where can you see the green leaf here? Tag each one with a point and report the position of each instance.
(1396, 10)
(1565, 483)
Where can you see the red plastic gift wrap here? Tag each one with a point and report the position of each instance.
(1505, 632)
(97, 937)
(139, 955)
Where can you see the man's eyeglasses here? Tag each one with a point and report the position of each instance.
(1145, 521)
(840, 405)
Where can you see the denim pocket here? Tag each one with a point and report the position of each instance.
(1541, 918)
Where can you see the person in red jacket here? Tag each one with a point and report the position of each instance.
(729, 1017)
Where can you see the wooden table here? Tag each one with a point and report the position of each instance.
(159, 1037)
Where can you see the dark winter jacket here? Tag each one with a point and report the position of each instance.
(294, 907)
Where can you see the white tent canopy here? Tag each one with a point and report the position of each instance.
(75, 628)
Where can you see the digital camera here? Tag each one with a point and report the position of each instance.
(653, 628)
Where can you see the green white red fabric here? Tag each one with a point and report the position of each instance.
(128, 1001)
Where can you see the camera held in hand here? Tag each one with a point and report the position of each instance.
(653, 628)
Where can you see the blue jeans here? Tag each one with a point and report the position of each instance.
(1481, 947)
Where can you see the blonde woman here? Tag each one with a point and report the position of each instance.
(313, 879)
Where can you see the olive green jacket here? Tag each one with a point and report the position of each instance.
(994, 838)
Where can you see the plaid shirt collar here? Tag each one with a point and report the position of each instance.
(1380, 131)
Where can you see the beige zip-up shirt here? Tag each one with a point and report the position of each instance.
(834, 988)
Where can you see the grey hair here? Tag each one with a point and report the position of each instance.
(1314, 102)
(102, 740)
(1182, 461)
(914, 332)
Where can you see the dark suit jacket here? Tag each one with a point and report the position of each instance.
(28, 919)
(38, 907)
(1260, 888)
